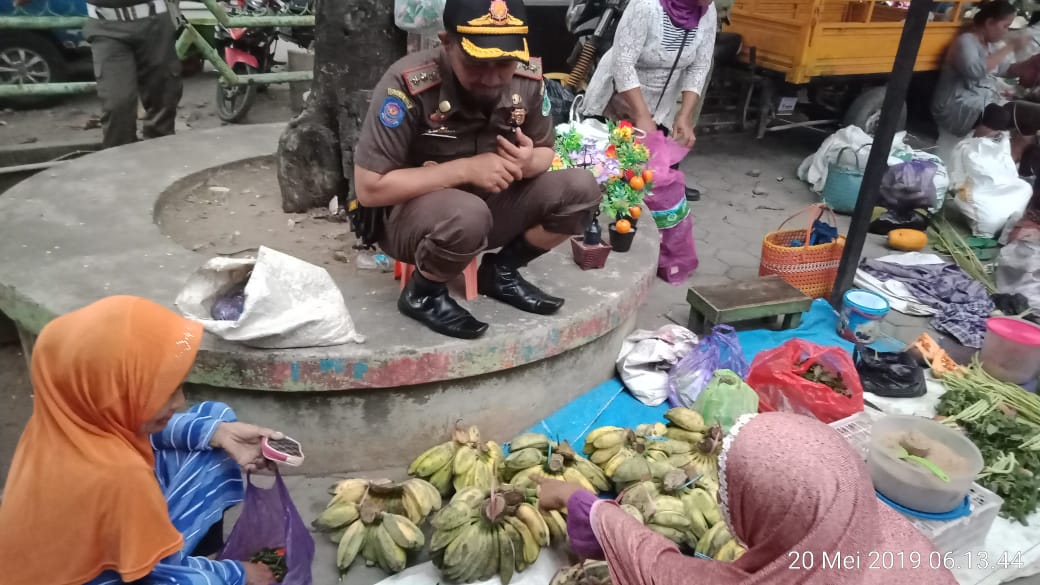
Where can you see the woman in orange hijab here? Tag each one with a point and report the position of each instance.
(108, 483)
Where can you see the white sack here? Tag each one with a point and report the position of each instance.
(988, 190)
(289, 303)
(646, 358)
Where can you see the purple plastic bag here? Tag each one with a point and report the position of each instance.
(667, 204)
(909, 185)
(719, 350)
(270, 520)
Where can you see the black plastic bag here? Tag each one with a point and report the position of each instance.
(560, 99)
(897, 219)
(889, 374)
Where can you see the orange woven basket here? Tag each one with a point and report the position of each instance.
(810, 269)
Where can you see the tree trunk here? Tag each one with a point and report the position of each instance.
(355, 42)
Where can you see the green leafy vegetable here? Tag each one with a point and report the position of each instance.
(1000, 419)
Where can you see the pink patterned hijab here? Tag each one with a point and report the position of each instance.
(792, 491)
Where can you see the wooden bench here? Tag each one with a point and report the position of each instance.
(733, 302)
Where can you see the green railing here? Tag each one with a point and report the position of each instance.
(189, 38)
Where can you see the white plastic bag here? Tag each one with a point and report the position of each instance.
(646, 358)
(988, 190)
(289, 303)
(419, 16)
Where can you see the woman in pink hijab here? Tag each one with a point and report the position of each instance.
(791, 489)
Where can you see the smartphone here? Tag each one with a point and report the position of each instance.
(284, 450)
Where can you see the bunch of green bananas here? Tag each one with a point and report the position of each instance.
(585, 573)
(462, 462)
(479, 535)
(385, 540)
(362, 510)
(685, 514)
(534, 454)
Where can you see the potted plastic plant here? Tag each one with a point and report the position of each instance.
(619, 166)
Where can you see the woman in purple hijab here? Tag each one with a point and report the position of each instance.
(662, 50)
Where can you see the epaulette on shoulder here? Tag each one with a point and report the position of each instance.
(531, 70)
(422, 78)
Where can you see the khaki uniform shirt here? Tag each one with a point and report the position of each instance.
(405, 128)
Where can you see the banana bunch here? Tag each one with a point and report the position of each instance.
(384, 540)
(462, 462)
(377, 519)
(685, 424)
(479, 535)
(586, 573)
(719, 544)
(556, 522)
(688, 426)
(609, 447)
(534, 454)
(651, 430)
(683, 514)
(414, 498)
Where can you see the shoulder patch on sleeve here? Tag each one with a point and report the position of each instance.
(531, 70)
(393, 112)
(401, 96)
(422, 78)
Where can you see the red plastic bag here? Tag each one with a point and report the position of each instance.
(777, 377)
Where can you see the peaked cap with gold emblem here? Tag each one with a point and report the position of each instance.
(489, 30)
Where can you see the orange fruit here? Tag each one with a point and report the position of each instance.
(635, 211)
(623, 226)
(648, 176)
(637, 183)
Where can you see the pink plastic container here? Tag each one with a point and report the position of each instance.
(1011, 351)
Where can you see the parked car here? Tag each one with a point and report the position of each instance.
(45, 55)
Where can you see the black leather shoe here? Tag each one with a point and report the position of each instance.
(429, 303)
(505, 284)
(499, 278)
(693, 194)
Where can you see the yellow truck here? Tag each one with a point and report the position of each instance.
(829, 56)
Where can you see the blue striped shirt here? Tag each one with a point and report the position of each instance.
(199, 483)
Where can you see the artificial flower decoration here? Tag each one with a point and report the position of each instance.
(614, 164)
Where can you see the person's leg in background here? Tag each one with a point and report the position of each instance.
(115, 69)
(159, 74)
(693, 193)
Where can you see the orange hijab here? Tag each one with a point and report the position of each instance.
(81, 496)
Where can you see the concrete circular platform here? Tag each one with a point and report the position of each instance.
(85, 230)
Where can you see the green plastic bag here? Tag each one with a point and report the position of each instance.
(725, 399)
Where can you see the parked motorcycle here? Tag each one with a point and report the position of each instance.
(249, 51)
(593, 23)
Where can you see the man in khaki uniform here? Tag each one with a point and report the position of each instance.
(132, 42)
(455, 150)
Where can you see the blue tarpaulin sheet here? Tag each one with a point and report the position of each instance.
(610, 404)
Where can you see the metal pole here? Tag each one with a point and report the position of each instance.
(31, 89)
(877, 163)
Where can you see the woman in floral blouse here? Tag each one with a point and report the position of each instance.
(662, 48)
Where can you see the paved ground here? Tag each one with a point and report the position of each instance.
(729, 224)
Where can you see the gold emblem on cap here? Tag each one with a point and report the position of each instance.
(516, 99)
(444, 107)
(497, 16)
(499, 12)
